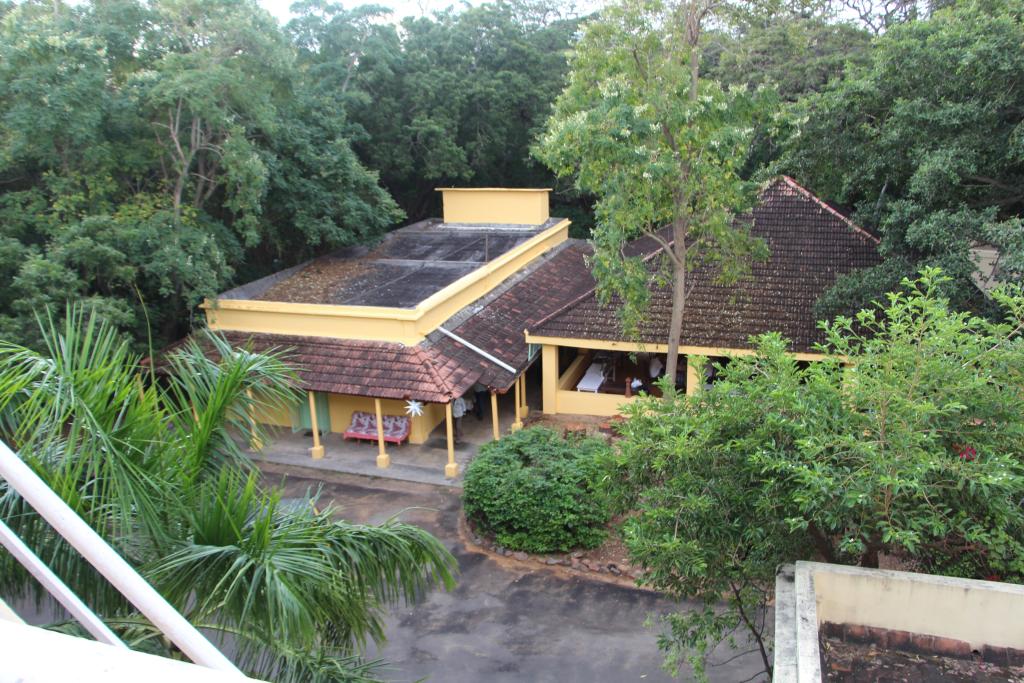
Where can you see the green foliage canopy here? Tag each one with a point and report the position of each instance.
(536, 491)
(150, 152)
(924, 142)
(659, 147)
(156, 470)
(452, 98)
(905, 441)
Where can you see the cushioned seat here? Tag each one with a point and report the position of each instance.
(364, 427)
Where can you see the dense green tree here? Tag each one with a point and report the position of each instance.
(796, 53)
(157, 472)
(904, 442)
(453, 98)
(660, 148)
(151, 151)
(924, 144)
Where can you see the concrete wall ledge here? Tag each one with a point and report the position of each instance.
(982, 616)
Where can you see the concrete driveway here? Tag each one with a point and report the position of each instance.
(504, 621)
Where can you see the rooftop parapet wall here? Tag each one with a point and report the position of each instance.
(495, 205)
(407, 326)
(981, 615)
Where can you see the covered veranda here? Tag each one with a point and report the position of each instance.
(389, 398)
(426, 462)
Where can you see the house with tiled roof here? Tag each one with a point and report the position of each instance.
(494, 288)
(810, 244)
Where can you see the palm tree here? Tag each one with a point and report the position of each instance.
(151, 464)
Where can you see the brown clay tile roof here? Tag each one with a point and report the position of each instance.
(365, 368)
(811, 244)
(496, 323)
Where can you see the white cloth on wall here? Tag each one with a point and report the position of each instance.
(459, 407)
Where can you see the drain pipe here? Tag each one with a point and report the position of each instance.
(477, 350)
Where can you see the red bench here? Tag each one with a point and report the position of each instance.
(364, 427)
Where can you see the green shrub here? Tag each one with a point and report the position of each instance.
(535, 491)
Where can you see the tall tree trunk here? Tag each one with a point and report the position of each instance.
(869, 558)
(679, 228)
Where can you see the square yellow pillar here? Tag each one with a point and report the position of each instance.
(451, 470)
(494, 416)
(524, 408)
(518, 424)
(383, 459)
(549, 378)
(693, 377)
(317, 451)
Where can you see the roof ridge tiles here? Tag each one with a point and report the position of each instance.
(824, 205)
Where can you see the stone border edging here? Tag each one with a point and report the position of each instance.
(577, 566)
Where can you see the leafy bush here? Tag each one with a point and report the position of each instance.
(535, 491)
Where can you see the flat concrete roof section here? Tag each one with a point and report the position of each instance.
(407, 267)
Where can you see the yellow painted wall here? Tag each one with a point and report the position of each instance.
(495, 205)
(585, 403)
(278, 416)
(978, 612)
(341, 407)
(313, 320)
(568, 401)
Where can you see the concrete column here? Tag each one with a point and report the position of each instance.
(383, 459)
(494, 416)
(518, 424)
(317, 451)
(524, 408)
(549, 378)
(693, 377)
(451, 470)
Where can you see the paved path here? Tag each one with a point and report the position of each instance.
(504, 622)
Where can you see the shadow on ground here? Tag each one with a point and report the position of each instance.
(503, 622)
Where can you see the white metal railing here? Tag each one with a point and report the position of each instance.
(57, 588)
(106, 561)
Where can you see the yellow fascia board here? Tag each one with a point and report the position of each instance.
(314, 320)
(408, 326)
(634, 347)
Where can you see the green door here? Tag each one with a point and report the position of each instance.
(301, 421)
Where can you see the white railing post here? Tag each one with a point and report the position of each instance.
(57, 588)
(109, 563)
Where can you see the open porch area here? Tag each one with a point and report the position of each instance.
(416, 462)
